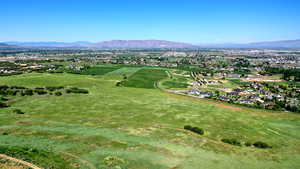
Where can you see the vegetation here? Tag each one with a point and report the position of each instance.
(42, 158)
(288, 74)
(194, 129)
(145, 78)
(137, 128)
(77, 90)
(174, 84)
(260, 144)
(232, 142)
(95, 70)
(18, 111)
(58, 93)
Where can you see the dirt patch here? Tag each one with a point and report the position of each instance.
(88, 164)
(27, 164)
(229, 107)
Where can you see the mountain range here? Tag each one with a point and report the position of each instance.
(108, 44)
(147, 44)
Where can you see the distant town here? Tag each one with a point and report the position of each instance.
(262, 78)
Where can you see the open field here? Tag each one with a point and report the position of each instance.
(139, 128)
(145, 78)
(96, 70)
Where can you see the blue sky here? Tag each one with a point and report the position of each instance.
(195, 21)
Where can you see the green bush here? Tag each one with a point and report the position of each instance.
(187, 127)
(260, 144)
(23, 93)
(58, 93)
(3, 92)
(28, 92)
(53, 88)
(3, 99)
(248, 144)
(4, 87)
(17, 87)
(231, 141)
(77, 90)
(119, 84)
(194, 129)
(18, 111)
(40, 91)
(3, 105)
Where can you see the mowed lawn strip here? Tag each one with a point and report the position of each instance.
(145, 78)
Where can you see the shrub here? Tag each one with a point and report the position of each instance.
(119, 84)
(3, 92)
(28, 92)
(248, 144)
(188, 127)
(77, 90)
(22, 93)
(11, 92)
(17, 87)
(232, 142)
(40, 91)
(3, 105)
(3, 99)
(58, 93)
(53, 88)
(194, 129)
(4, 87)
(18, 111)
(260, 144)
(113, 161)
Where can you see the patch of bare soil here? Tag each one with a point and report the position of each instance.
(88, 164)
(24, 163)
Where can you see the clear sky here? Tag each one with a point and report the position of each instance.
(195, 21)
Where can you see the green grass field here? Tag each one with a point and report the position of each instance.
(145, 78)
(139, 128)
(175, 81)
(95, 70)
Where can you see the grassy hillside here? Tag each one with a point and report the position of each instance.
(138, 128)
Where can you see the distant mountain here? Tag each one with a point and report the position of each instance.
(107, 44)
(6, 46)
(142, 44)
(50, 44)
(277, 44)
(148, 44)
(269, 44)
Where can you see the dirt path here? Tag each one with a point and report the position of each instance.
(27, 164)
(91, 166)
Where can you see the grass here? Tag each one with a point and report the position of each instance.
(44, 158)
(141, 128)
(95, 70)
(145, 78)
(128, 71)
(175, 82)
